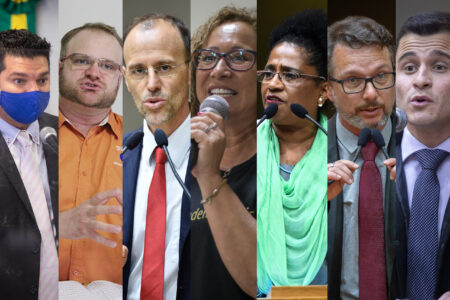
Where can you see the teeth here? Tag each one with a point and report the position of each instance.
(222, 92)
(90, 85)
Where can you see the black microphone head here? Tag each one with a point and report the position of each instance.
(378, 138)
(271, 110)
(299, 110)
(400, 120)
(364, 137)
(134, 140)
(161, 138)
(215, 104)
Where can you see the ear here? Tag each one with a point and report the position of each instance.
(329, 92)
(124, 72)
(324, 91)
(60, 66)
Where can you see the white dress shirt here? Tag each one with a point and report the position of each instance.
(179, 143)
(412, 168)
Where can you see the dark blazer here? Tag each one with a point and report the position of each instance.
(402, 217)
(20, 238)
(336, 218)
(131, 161)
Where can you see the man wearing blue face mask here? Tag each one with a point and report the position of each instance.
(28, 170)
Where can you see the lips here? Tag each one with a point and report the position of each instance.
(90, 86)
(420, 101)
(154, 103)
(274, 99)
(370, 111)
(221, 91)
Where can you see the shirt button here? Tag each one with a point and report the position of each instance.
(75, 273)
(36, 250)
(84, 173)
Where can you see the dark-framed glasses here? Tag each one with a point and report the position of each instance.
(83, 62)
(140, 72)
(287, 77)
(237, 60)
(354, 85)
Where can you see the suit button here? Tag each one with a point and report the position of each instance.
(36, 250)
(33, 289)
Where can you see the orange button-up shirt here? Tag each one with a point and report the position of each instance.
(88, 166)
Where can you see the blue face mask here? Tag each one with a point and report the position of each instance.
(24, 108)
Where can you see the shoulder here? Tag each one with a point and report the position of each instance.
(48, 120)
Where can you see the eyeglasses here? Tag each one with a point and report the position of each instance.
(140, 72)
(356, 85)
(83, 62)
(288, 78)
(237, 60)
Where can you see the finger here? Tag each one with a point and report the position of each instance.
(104, 210)
(103, 197)
(333, 176)
(102, 240)
(214, 117)
(345, 173)
(349, 164)
(101, 226)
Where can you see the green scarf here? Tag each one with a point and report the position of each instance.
(291, 215)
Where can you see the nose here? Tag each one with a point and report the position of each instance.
(221, 69)
(153, 81)
(93, 72)
(370, 92)
(275, 83)
(422, 79)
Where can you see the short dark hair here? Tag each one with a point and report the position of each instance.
(22, 43)
(88, 26)
(177, 23)
(308, 30)
(427, 23)
(356, 32)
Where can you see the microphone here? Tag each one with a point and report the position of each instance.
(214, 104)
(363, 139)
(48, 136)
(301, 112)
(400, 119)
(162, 142)
(269, 112)
(131, 142)
(379, 141)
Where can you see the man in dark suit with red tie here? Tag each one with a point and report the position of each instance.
(155, 210)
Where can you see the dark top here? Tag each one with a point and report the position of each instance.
(209, 277)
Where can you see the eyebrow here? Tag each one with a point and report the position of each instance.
(440, 53)
(19, 74)
(433, 53)
(283, 68)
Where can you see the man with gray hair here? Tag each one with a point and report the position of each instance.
(361, 225)
(156, 211)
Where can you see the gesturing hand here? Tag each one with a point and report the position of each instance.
(80, 222)
(341, 172)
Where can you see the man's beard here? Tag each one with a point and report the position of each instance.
(354, 120)
(73, 94)
(172, 106)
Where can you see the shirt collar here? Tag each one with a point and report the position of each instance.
(179, 142)
(351, 141)
(10, 132)
(410, 145)
(109, 119)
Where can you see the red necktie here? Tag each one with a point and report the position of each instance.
(372, 260)
(152, 282)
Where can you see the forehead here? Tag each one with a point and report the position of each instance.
(363, 61)
(25, 65)
(95, 43)
(287, 54)
(232, 35)
(413, 45)
(160, 42)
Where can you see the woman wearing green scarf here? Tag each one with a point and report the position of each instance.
(292, 157)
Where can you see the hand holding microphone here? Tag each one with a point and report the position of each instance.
(207, 131)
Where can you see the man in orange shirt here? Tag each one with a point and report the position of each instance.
(90, 181)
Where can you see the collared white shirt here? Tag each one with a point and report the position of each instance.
(179, 143)
(412, 168)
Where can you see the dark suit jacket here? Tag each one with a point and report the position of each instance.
(336, 219)
(402, 217)
(131, 161)
(20, 238)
